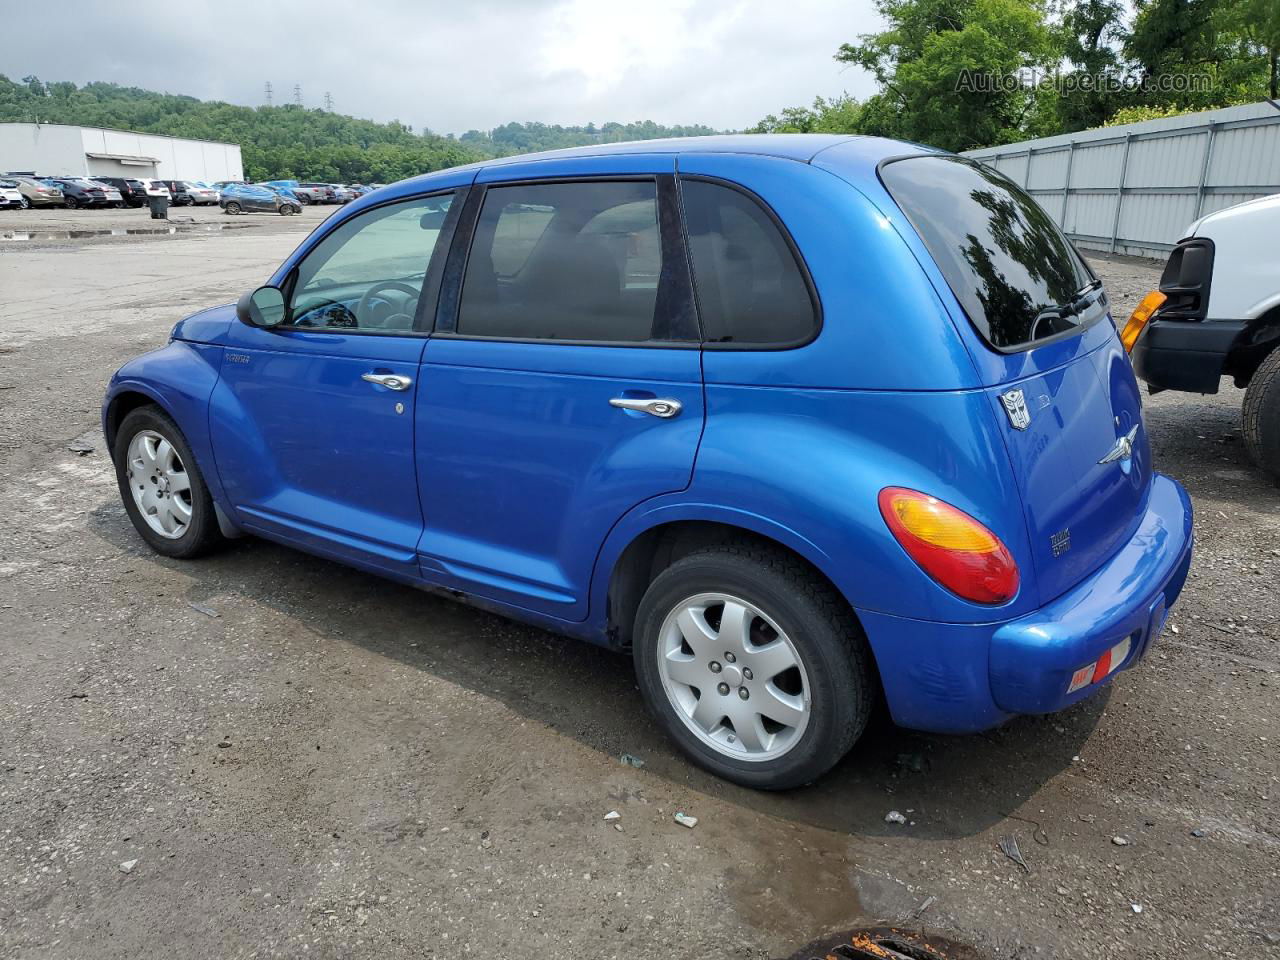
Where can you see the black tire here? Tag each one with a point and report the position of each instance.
(1262, 415)
(70, 203)
(304, 199)
(823, 629)
(202, 533)
(232, 207)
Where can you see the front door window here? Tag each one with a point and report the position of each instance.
(367, 275)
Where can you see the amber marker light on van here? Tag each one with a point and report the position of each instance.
(1140, 317)
(950, 546)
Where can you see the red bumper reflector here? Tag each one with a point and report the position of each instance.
(1101, 668)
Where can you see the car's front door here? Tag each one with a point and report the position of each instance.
(562, 385)
(312, 421)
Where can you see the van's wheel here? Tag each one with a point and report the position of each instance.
(754, 666)
(163, 491)
(1262, 414)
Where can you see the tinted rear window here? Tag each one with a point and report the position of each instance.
(1014, 272)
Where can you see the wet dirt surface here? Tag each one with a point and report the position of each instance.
(265, 754)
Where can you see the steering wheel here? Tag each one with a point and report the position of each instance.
(343, 315)
(362, 308)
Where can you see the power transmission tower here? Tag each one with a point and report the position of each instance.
(267, 88)
(297, 94)
(328, 101)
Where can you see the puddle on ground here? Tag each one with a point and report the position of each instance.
(156, 231)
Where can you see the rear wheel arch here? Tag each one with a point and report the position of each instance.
(654, 549)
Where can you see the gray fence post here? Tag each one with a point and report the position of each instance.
(1066, 183)
(1124, 171)
(1204, 169)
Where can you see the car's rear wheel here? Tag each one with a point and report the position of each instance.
(71, 202)
(1262, 414)
(303, 199)
(753, 665)
(163, 491)
(232, 207)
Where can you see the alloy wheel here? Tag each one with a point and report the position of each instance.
(160, 484)
(733, 677)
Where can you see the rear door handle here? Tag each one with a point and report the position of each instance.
(663, 407)
(392, 381)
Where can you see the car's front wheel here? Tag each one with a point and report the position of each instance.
(231, 207)
(1262, 414)
(753, 664)
(163, 491)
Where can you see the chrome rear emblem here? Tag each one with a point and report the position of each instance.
(1015, 407)
(1123, 449)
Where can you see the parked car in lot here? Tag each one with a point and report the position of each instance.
(358, 190)
(799, 421)
(1217, 313)
(220, 184)
(10, 195)
(178, 192)
(38, 191)
(323, 192)
(342, 193)
(311, 193)
(156, 188)
(201, 194)
(79, 192)
(133, 192)
(246, 198)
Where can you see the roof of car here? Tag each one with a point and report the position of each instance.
(854, 155)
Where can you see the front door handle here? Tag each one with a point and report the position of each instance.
(392, 381)
(663, 407)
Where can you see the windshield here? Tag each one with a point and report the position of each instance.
(1015, 273)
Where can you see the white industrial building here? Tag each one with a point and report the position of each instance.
(55, 150)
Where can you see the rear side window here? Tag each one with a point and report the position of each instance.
(1017, 276)
(565, 261)
(751, 288)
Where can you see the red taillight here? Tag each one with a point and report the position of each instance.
(950, 546)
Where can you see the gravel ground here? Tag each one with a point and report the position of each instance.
(263, 754)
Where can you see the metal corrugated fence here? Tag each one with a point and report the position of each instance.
(1135, 188)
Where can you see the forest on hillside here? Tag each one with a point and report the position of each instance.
(290, 141)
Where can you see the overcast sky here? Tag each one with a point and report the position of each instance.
(468, 63)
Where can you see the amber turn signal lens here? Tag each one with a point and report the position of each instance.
(950, 546)
(1139, 318)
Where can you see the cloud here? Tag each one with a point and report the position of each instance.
(454, 67)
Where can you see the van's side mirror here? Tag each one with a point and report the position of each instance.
(263, 307)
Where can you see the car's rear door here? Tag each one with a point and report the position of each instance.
(562, 385)
(312, 421)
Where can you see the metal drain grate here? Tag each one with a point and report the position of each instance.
(885, 943)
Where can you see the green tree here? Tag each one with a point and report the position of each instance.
(837, 115)
(948, 70)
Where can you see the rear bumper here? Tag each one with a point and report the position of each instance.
(1185, 354)
(961, 678)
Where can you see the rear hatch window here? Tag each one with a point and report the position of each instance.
(1017, 276)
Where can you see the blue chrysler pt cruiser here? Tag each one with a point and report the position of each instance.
(799, 421)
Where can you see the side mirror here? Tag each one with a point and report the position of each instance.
(263, 307)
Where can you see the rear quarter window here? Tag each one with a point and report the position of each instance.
(1015, 273)
(752, 289)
